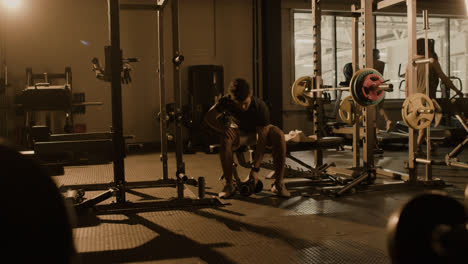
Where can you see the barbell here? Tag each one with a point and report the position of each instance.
(367, 88)
(430, 228)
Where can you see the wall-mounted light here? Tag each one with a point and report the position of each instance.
(11, 4)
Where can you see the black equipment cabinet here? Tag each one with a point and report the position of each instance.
(206, 84)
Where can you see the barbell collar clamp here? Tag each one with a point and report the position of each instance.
(423, 161)
(423, 61)
(385, 87)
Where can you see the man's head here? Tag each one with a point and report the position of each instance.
(348, 71)
(376, 54)
(421, 46)
(241, 93)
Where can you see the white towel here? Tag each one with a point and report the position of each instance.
(299, 136)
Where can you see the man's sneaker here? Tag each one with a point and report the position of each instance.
(433, 148)
(227, 191)
(280, 190)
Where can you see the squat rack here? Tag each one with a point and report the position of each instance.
(366, 10)
(367, 172)
(112, 74)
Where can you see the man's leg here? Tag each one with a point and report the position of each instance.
(420, 140)
(275, 139)
(388, 122)
(225, 153)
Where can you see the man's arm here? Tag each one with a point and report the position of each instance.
(406, 82)
(444, 78)
(211, 119)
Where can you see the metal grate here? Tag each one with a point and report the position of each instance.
(341, 251)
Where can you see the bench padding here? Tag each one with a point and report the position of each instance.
(323, 143)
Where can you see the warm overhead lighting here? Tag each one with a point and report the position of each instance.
(12, 3)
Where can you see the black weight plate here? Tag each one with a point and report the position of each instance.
(411, 228)
(36, 219)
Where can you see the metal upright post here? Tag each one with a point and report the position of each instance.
(428, 129)
(368, 61)
(3, 69)
(355, 58)
(446, 90)
(317, 77)
(335, 57)
(256, 36)
(411, 84)
(116, 94)
(177, 61)
(163, 118)
(3, 72)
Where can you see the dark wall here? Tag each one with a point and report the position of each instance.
(49, 35)
(272, 60)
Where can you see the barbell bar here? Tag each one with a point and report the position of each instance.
(423, 61)
(382, 87)
(367, 88)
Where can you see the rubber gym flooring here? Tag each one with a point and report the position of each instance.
(262, 228)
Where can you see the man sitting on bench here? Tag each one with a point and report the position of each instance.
(251, 125)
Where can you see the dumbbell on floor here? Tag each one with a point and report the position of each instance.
(249, 187)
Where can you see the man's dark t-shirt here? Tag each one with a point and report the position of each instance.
(256, 115)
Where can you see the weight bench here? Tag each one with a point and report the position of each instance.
(244, 155)
(313, 172)
(323, 143)
(72, 149)
(314, 176)
(52, 169)
(71, 152)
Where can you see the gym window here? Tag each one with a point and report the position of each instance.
(459, 52)
(303, 47)
(392, 41)
(451, 44)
